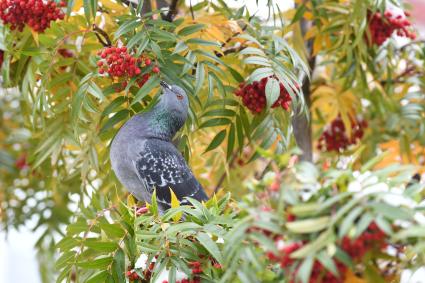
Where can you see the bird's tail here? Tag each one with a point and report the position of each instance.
(199, 195)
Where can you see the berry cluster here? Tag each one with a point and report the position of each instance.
(254, 96)
(335, 138)
(37, 14)
(21, 162)
(132, 275)
(118, 63)
(381, 27)
(65, 53)
(372, 238)
(319, 272)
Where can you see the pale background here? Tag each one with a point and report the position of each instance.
(18, 262)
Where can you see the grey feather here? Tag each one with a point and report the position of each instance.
(143, 156)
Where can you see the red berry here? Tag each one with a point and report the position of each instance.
(382, 27)
(334, 138)
(254, 96)
(21, 162)
(155, 70)
(148, 62)
(36, 14)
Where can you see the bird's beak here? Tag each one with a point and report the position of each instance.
(164, 85)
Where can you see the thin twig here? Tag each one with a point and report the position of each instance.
(192, 13)
(411, 43)
(233, 49)
(223, 176)
(409, 72)
(98, 31)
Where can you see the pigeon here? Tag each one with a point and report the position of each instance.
(144, 158)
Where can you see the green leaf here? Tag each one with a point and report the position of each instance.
(98, 277)
(215, 122)
(87, 10)
(191, 29)
(154, 204)
(391, 212)
(220, 112)
(114, 105)
(272, 91)
(320, 242)
(118, 266)
(182, 227)
(217, 140)
(257, 60)
(101, 246)
(260, 73)
(210, 246)
(299, 14)
(180, 47)
(230, 141)
(348, 221)
(252, 51)
(202, 42)
(236, 75)
(363, 223)
(200, 76)
(328, 263)
(113, 230)
(136, 39)
(100, 263)
(411, 232)
(308, 225)
(65, 258)
(118, 117)
(93, 7)
(127, 27)
(305, 269)
(146, 89)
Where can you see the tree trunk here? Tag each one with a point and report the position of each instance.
(300, 123)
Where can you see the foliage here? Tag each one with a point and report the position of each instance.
(235, 242)
(61, 108)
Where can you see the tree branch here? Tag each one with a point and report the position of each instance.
(411, 43)
(223, 176)
(172, 11)
(105, 41)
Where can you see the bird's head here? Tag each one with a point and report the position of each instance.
(174, 100)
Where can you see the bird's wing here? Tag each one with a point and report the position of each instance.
(160, 165)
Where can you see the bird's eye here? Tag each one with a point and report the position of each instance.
(179, 96)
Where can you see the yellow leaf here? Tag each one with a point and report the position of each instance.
(175, 203)
(35, 36)
(289, 14)
(217, 27)
(317, 44)
(77, 5)
(115, 7)
(415, 155)
(131, 202)
(350, 277)
(308, 16)
(330, 101)
(311, 33)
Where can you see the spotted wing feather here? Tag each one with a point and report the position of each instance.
(161, 166)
